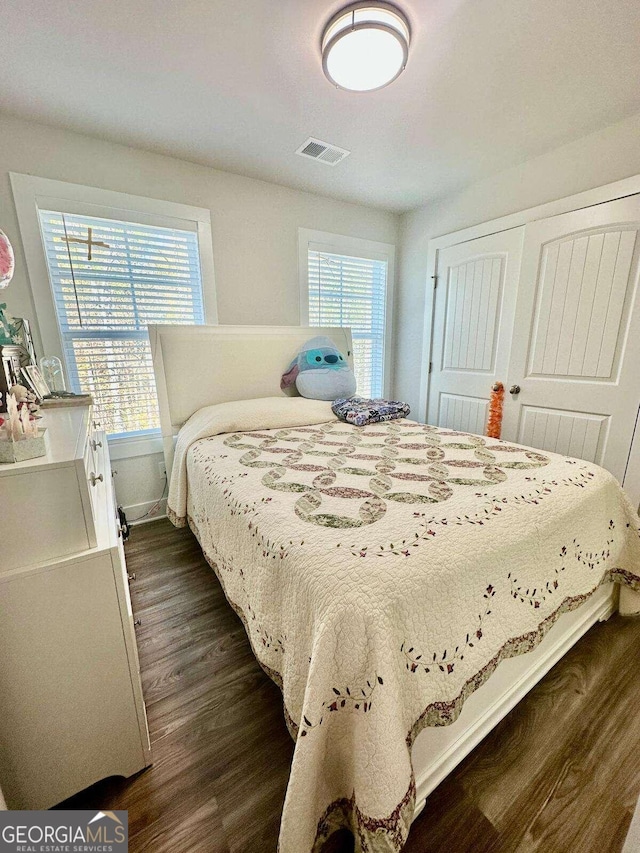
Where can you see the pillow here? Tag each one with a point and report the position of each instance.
(320, 371)
(359, 412)
(236, 416)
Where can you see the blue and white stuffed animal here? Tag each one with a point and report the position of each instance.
(320, 371)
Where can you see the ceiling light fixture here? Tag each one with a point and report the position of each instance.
(365, 46)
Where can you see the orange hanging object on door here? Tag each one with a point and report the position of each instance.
(496, 404)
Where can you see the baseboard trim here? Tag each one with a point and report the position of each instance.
(147, 520)
(478, 729)
(137, 513)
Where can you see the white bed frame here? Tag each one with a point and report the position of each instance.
(198, 366)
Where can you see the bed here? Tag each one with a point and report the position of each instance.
(403, 584)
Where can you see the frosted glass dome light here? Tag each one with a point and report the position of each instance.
(365, 46)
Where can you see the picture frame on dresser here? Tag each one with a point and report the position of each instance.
(35, 381)
(24, 338)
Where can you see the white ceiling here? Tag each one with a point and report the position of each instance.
(238, 85)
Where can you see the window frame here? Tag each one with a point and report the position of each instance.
(32, 194)
(356, 247)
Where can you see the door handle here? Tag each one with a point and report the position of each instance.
(515, 389)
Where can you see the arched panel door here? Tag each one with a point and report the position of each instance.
(473, 327)
(575, 354)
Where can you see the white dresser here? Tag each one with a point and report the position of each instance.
(71, 705)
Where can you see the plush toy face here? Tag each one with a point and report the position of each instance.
(320, 371)
(323, 357)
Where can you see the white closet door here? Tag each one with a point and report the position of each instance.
(576, 343)
(473, 323)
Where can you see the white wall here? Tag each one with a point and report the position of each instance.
(600, 158)
(255, 229)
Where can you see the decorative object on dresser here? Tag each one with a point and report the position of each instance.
(7, 267)
(7, 261)
(16, 342)
(22, 337)
(16, 351)
(52, 373)
(24, 396)
(71, 704)
(10, 371)
(20, 437)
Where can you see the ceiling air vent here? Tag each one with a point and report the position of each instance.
(330, 155)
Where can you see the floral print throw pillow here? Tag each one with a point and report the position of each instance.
(360, 412)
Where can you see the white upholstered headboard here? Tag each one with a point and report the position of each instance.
(198, 366)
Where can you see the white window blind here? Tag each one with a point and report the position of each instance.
(110, 279)
(352, 291)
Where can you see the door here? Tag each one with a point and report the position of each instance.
(472, 329)
(576, 342)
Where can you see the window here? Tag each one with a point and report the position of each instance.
(110, 279)
(151, 262)
(346, 282)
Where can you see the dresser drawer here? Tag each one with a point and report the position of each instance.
(51, 496)
(45, 515)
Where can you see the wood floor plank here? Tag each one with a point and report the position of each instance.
(558, 775)
(577, 754)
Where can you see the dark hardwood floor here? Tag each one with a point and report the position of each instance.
(560, 774)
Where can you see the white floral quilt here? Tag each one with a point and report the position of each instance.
(382, 573)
